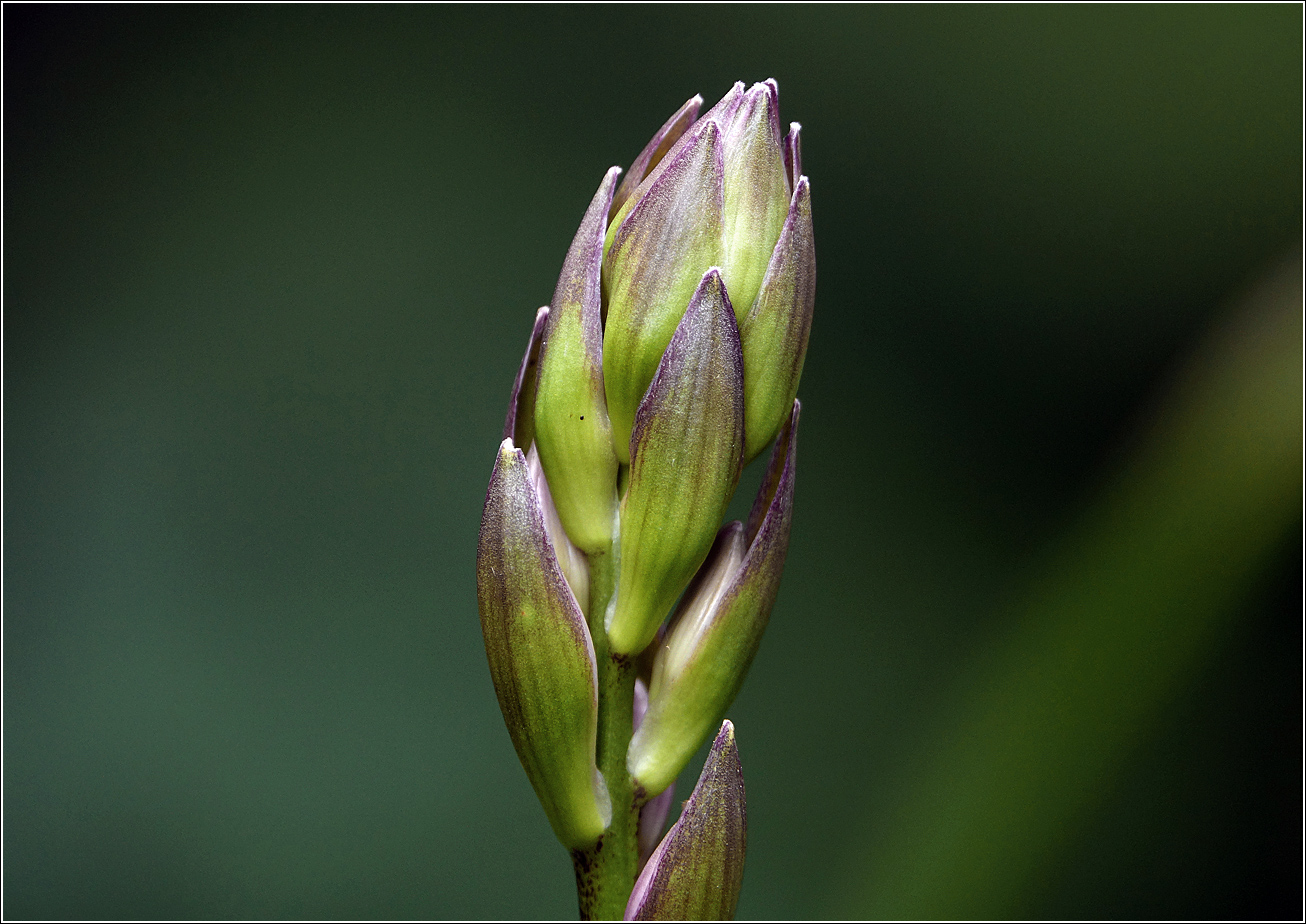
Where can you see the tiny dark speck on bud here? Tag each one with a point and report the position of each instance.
(582, 416)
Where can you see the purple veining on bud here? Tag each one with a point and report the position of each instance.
(653, 816)
(686, 448)
(540, 653)
(658, 248)
(715, 633)
(774, 334)
(696, 872)
(727, 206)
(649, 158)
(520, 423)
(756, 192)
(571, 411)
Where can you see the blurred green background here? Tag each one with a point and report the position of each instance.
(268, 272)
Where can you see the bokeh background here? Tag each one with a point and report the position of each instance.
(268, 272)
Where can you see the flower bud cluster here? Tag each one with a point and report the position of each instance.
(668, 358)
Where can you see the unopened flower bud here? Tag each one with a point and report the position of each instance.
(541, 654)
(571, 411)
(658, 146)
(713, 636)
(774, 332)
(725, 193)
(793, 154)
(686, 447)
(756, 193)
(575, 566)
(696, 872)
(668, 234)
(653, 815)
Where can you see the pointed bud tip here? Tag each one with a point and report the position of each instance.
(696, 872)
(714, 282)
(520, 423)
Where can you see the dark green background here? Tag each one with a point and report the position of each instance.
(267, 275)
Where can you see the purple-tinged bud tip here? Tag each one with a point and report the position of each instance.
(520, 424)
(793, 151)
(696, 872)
(662, 141)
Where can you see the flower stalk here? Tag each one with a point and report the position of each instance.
(605, 871)
(668, 358)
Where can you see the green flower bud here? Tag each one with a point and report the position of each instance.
(669, 235)
(519, 427)
(774, 332)
(541, 654)
(696, 872)
(571, 412)
(756, 193)
(686, 447)
(724, 192)
(710, 643)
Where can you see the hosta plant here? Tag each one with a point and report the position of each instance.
(620, 616)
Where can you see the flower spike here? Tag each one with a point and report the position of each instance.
(668, 357)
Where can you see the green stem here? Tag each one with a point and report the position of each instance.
(605, 873)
